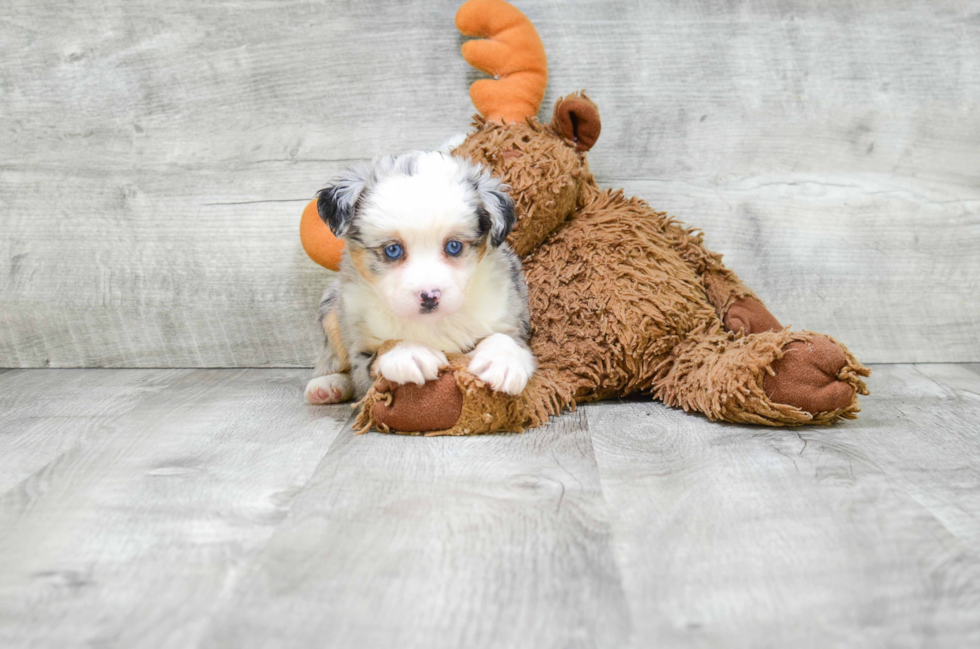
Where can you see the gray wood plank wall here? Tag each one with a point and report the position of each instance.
(154, 158)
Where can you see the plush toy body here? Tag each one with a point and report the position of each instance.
(623, 299)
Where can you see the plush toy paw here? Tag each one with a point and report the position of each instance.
(410, 363)
(807, 377)
(458, 403)
(436, 405)
(502, 363)
(332, 388)
(749, 316)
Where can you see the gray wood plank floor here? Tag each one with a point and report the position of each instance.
(213, 508)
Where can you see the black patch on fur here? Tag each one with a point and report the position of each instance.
(516, 272)
(353, 232)
(495, 211)
(339, 219)
(482, 222)
(336, 217)
(508, 214)
(364, 360)
(525, 327)
(368, 357)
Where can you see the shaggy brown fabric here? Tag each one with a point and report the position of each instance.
(545, 175)
(723, 376)
(611, 294)
(626, 300)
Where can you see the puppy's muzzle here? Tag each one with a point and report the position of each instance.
(429, 300)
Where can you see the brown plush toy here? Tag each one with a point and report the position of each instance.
(624, 300)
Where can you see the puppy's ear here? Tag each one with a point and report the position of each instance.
(500, 208)
(336, 203)
(495, 207)
(335, 216)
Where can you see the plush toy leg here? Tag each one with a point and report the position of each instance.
(775, 378)
(722, 286)
(734, 303)
(458, 403)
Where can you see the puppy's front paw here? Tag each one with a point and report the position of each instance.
(411, 363)
(502, 363)
(332, 388)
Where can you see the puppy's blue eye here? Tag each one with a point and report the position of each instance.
(454, 247)
(394, 251)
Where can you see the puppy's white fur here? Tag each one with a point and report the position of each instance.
(416, 204)
(502, 363)
(411, 363)
(332, 388)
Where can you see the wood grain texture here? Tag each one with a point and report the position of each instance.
(214, 508)
(935, 462)
(154, 159)
(130, 536)
(47, 413)
(859, 535)
(454, 542)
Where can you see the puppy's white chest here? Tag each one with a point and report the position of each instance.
(457, 333)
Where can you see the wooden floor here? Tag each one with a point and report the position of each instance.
(213, 508)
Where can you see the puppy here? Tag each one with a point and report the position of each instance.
(425, 264)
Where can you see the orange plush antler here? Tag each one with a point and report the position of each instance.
(511, 51)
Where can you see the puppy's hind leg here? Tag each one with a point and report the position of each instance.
(332, 388)
(331, 382)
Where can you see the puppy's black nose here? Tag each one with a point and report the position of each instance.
(430, 299)
(430, 296)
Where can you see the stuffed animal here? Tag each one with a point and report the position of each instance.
(624, 300)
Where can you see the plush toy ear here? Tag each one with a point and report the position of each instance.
(577, 119)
